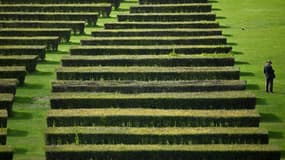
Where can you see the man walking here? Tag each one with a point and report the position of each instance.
(269, 76)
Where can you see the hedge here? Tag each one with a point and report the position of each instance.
(152, 118)
(8, 86)
(50, 42)
(24, 50)
(171, 8)
(3, 118)
(131, 135)
(149, 86)
(115, 3)
(89, 17)
(148, 60)
(203, 40)
(62, 33)
(29, 61)
(166, 17)
(147, 50)
(166, 152)
(147, 73)
(171, 1)
(3, 136)
(185, 100)
(161, 25)
(6, 152)
(76, 26)
(103, 9)
(6, 101)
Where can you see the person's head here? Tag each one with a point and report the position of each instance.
(269, 61)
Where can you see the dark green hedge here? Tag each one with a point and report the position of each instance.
(147, 50)
(166, 152)
(207, 40)
(172, 8)
(30, 62)
(50, 42)
(171, 1)
(153, 118)
(126, 135)
(76, 26)
(165, 17)
(62, 33)
(6, 101)
(6, 152)
(3, 118)
(186, 100)
(161, 25)
(90, 18)
(24, 50)
(103, 9)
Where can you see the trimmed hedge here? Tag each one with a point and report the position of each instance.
(76, 26)
(24, 50)
(8, 86)
(103, 9)
(171, 1)
(62, 33)
(148, 60)
(171, 8)
(6, 101)
(156, 32)
(6, 152)
(166, 17)
(152, 118)
(149, 86)
(161, 25)
(185, 100)
(147, 50)
(166, 152)
(3, 136)
(29, 61)
(126, 135)
(147, 73)
(89, 17)
(50, 42)
(3, 118)
(205, 40)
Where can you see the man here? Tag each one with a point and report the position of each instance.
(269, 76)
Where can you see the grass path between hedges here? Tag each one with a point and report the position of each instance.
(255, 29)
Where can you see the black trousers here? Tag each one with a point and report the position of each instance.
(269, 84)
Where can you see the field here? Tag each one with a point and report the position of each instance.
(254, 29)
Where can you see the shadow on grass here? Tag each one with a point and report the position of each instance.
(261, 101)
(72, 43)
(41, 73)
(50, 62)
(17, 133)
(221, 17)
(224, 27)
(216, 9)
(227, 35)
(241, 63)
(212, 1)
(122, 9)
(33, 86)
(276, 135)
(24, 100)
(232, 44)
(269, 117)
(236, 52)
(252, 87)
(246, 74)
(20, 150)
(21, 115)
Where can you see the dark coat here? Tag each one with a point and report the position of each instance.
(268, 71)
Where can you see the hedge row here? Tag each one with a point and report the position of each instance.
(24, 50)
(149, 86)
(166, 152)
(76, 26)
(147, 73)
(6, 152)
(171, 8)
(103, 9)
(186, 100)
(147, 50)
(8, 86)
(205, 40)
(171, 1)
(161, 25)
(115, 3)
(6, 101)
(3, 118)
(3, 136)
(90, 18)
(50, 42)
(148, 60)
(152, 118)
(126, 135)
(62, 33)
(29, 61)
(166, 17)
